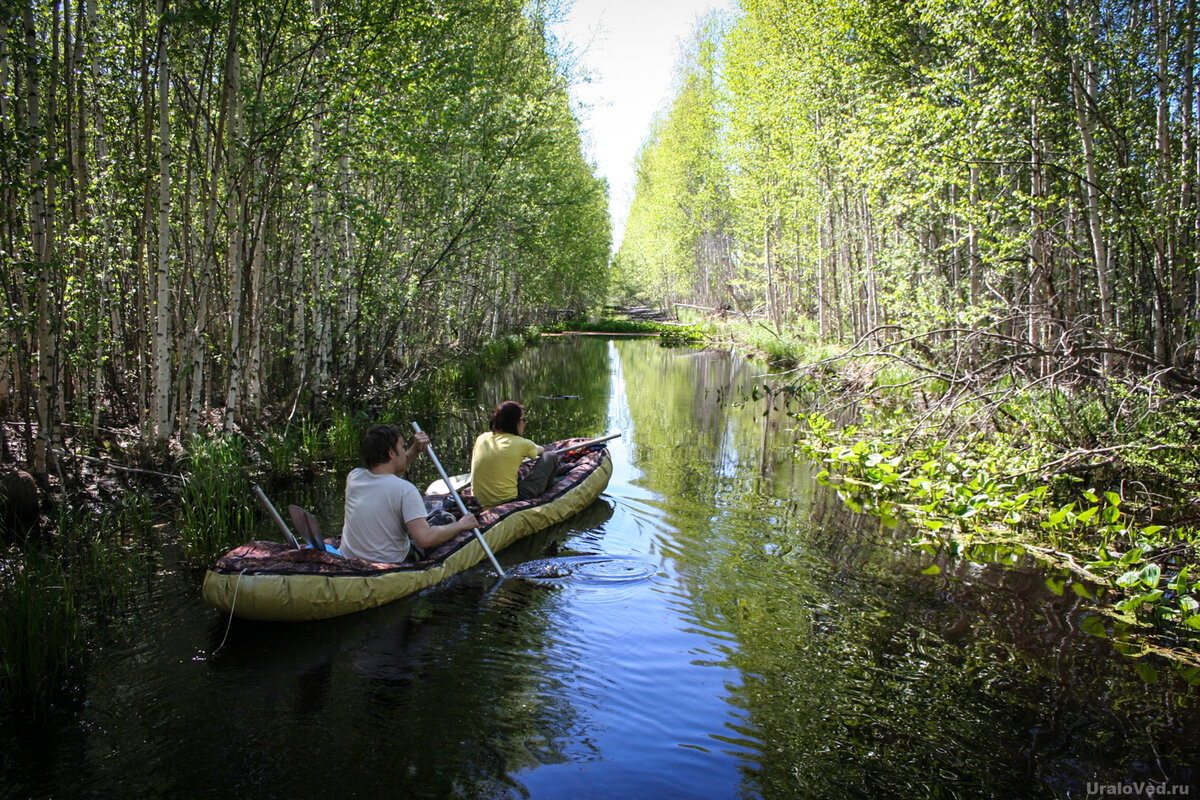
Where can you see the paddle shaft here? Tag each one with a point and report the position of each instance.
(461, 507)
(582, 445)
(275, 515)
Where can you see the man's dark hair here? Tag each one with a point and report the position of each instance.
(378, 442)
(507, 416)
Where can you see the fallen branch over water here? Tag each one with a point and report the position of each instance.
(113, 465)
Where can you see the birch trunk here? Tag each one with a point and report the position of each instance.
(100, 209)
(40, 232)
(162, 304)
(320, 248)
(973, 253)
(1187, 201)
(1164, 290)
(234, 256)
(254, 307)
(215, 156)
(1084, 85)
(822, 322)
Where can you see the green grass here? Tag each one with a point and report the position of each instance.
(345, 432)
(216, 501)
(39, 631)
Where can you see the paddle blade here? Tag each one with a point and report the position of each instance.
(310, 529)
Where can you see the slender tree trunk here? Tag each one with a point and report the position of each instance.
(322, 324)
(1186, 261)
(1193, 165)
(822, 321)
(143, 320)
(235, 260)
(215, 150)
(1084, 87)
(1038, 266)
(1165, 300)
(162, 305)
(100, 210)
(254, 305)
(973, 252)
(772, 304)
(41, 232)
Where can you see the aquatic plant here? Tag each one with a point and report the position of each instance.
(955, 497)
(39, 630)
(345, 432)
(215, 506)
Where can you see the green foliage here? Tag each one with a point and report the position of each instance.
(216, 504)
(780, 347)
(354, 189)
(676, 241)
(955, 497)
(39, 630)
(854, 165)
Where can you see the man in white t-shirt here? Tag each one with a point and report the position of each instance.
(385, 514)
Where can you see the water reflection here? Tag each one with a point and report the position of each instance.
(860, 676)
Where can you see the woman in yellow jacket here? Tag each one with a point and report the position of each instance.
(499, 452)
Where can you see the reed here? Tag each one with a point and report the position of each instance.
(105, 555)
(279, 451)
(345, 432)
(215, 499)
(39, 631)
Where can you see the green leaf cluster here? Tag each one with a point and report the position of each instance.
(958, 497)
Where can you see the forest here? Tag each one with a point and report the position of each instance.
(232, 232)
(968, 234)
(858, 166)
(221, 214)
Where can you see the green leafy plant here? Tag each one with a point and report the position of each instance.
(956, 498)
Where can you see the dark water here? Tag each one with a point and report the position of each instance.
(715, 626)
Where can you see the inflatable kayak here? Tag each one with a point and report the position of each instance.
(274, 581)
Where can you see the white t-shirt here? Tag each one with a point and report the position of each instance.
(377, 506)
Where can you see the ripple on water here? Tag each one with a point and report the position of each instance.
(603, 578)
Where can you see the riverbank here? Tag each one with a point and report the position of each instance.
(114, 509)
(1098, 477)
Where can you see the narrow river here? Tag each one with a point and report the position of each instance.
(716, 625)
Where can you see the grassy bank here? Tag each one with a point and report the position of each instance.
(671, 334)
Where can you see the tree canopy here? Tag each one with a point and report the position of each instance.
(1026, 167)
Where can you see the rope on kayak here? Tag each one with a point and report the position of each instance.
(232, 606)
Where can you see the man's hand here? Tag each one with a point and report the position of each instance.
(420, 442)
(429, 536)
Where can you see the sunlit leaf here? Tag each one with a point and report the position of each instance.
(1131, 578)
(1150, 575)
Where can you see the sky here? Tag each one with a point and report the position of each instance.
(629, 49)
